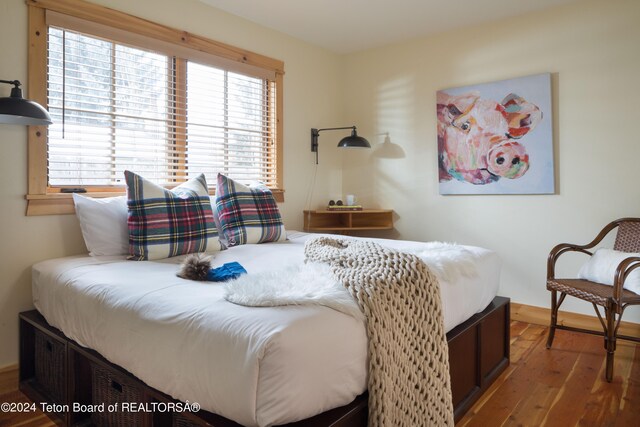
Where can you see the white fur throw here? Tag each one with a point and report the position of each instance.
(447, 260)
(307, 284)
(313, 284)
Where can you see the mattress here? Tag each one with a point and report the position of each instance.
(258, 366)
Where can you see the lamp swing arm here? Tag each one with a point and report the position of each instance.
(341, 128)
(12, 82)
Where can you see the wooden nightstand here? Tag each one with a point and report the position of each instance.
(345, 221)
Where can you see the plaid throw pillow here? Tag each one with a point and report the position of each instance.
(165, 223)
(247, 214)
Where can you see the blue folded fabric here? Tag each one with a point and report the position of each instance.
(228, 271)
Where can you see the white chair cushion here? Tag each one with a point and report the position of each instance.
(601, 268)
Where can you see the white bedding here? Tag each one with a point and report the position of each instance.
(257, 366)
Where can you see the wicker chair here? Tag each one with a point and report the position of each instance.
(614, 299)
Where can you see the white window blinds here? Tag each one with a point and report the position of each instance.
(118, 107)
(229, 127)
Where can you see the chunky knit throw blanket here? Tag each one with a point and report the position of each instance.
(409, 383)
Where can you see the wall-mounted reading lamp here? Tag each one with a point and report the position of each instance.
(15, 110)
(351, 141)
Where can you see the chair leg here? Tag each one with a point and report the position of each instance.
(554, 318)
(610, 340)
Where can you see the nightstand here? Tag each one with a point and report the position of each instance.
(325, 221)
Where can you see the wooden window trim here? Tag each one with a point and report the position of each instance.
(44, 200)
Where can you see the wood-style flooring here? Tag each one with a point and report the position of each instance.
(562, 387)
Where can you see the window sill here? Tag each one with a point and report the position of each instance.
(62, 204)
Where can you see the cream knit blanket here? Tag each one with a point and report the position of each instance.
(409, 383)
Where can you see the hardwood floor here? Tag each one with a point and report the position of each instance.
(562, 387)
(22, 419)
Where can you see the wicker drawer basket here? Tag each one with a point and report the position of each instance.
(50, 366)
(110, 388)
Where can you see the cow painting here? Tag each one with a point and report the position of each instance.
(484, 139)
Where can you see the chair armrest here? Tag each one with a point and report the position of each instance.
(567, 247)
(559, 250)
(622, 272)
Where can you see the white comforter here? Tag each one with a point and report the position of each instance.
(257, 366)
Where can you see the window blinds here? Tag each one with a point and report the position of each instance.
(118, 107)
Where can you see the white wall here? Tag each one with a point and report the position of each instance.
(592, 50)
(312, 98)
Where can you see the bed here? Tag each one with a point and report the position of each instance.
(255, 366)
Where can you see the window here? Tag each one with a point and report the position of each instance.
(122, 100)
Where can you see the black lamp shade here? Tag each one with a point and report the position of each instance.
(354, 141)
(20, 111)
(15, 110)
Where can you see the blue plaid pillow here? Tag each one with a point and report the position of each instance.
(247, 214)
(165, 223)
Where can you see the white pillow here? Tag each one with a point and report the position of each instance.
(104, 224)
(601, 268)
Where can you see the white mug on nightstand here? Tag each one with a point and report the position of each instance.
(350, 199)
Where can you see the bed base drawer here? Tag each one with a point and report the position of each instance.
(44, 374)
(50, 366)
(110, 390)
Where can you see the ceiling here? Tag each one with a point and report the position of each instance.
(346, 26)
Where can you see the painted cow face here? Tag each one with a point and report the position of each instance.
(477, 137)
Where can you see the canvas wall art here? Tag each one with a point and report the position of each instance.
(496, 138)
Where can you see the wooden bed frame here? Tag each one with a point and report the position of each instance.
(55, 369)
